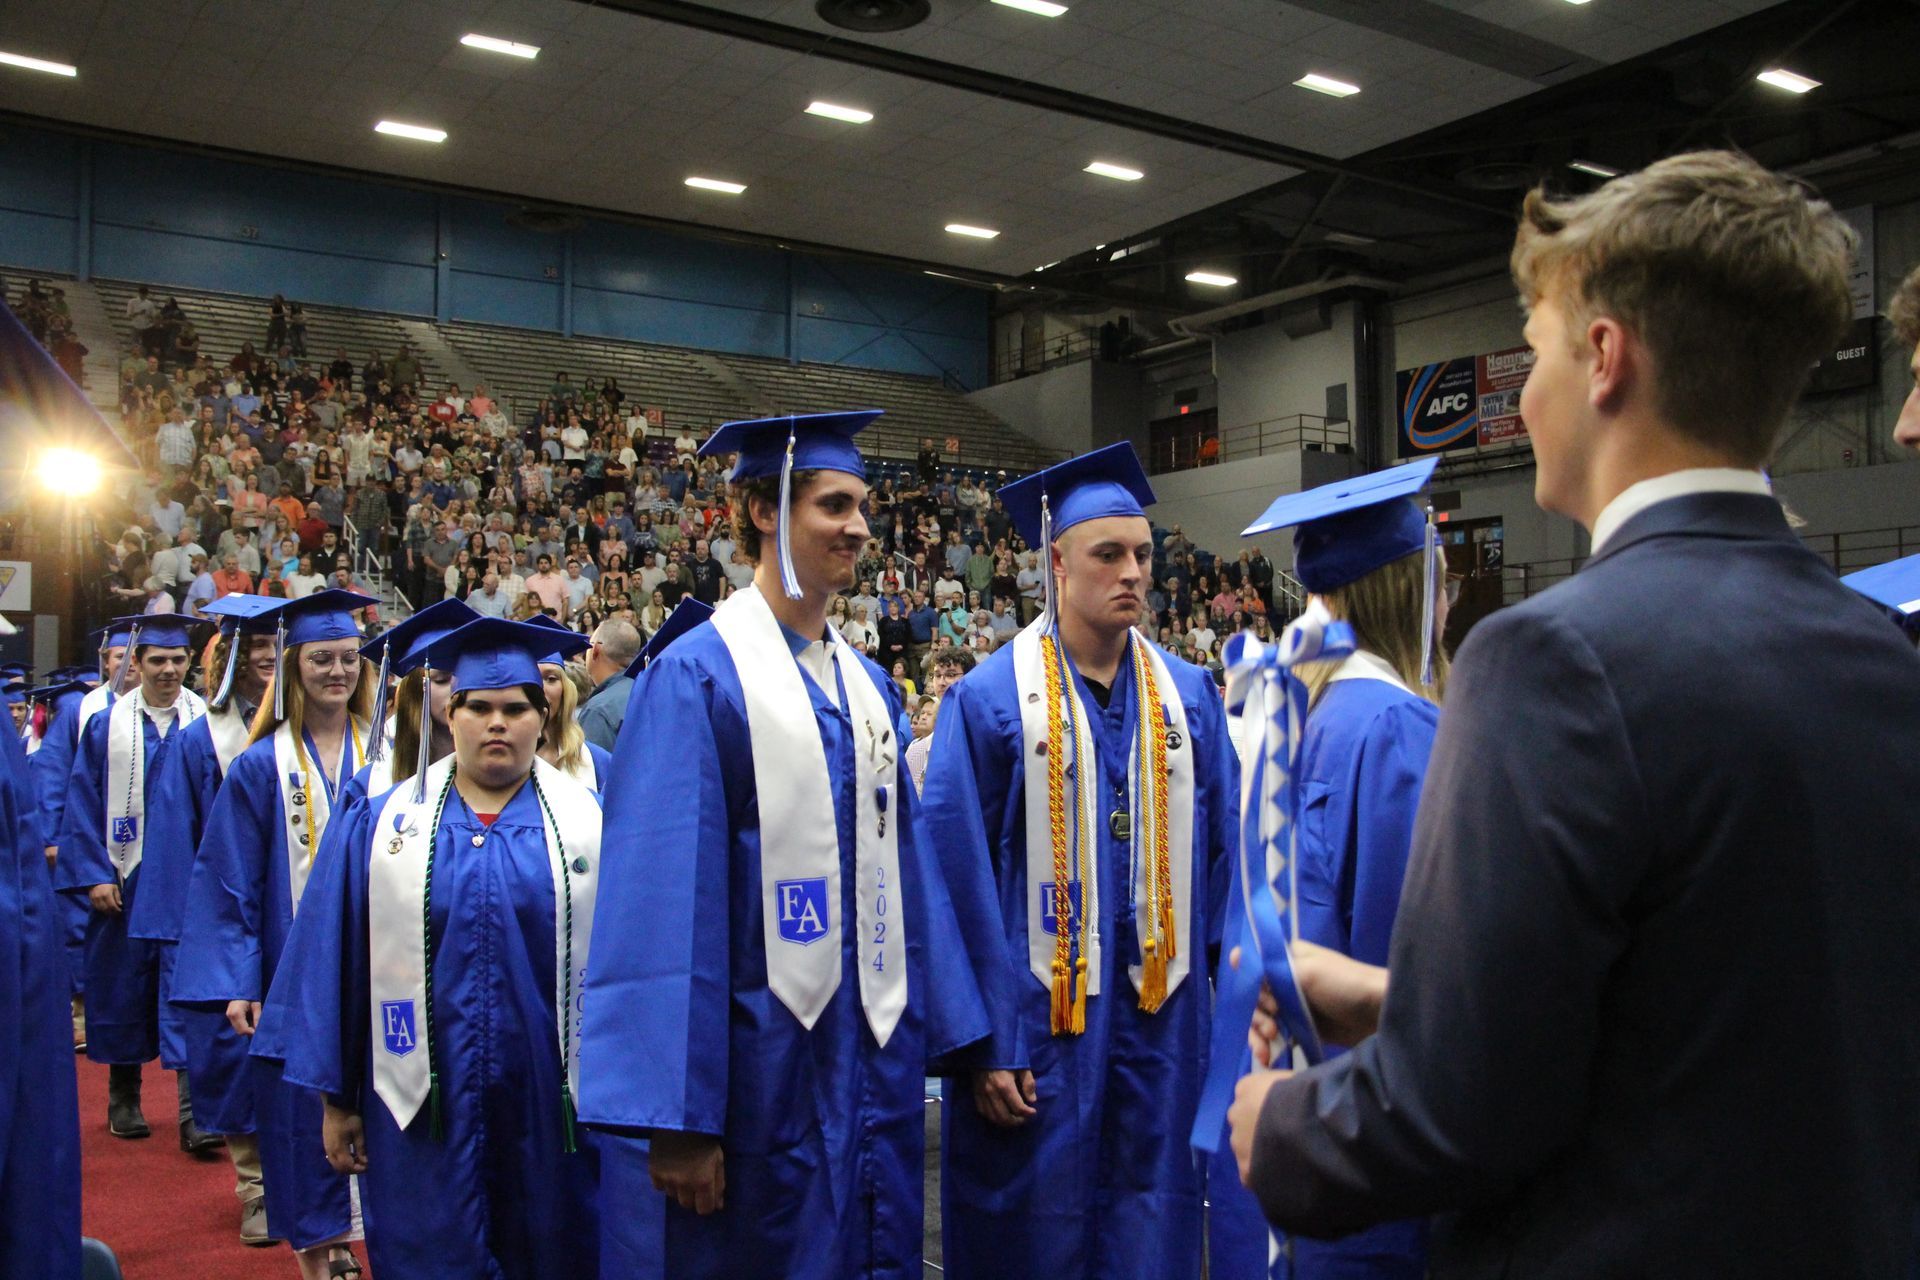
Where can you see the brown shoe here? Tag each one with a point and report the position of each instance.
(253, 1223)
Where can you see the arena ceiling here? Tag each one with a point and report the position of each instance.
(984, 114)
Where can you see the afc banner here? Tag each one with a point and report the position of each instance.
(1462, 403)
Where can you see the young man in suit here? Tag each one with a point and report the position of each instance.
(1655, 983)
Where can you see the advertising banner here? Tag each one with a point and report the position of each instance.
(1439, 407)
(1500, 375)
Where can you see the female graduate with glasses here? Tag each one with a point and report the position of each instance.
(431, 990)
(255, 860)
(1369, 558)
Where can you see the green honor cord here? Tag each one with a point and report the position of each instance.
(436, 1129)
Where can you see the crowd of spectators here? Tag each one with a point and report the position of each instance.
(283, 474)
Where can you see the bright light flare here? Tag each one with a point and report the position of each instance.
(73, 472)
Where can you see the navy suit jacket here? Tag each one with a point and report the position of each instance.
(1655, 1007)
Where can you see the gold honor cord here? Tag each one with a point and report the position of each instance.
(1061, 1019)
(1159, 946)
(303, 816)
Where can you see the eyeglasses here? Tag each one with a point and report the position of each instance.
(348, 661)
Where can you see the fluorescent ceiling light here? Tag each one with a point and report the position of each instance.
(418, 132)
(1780, 78)
(492, 45)
(1348, 237)
(1119, 171)
(1576, 1)
(978, 233)
(1045, 8)
(1597, 170)
(1212, 278)
(714, 184)
(852, 115)
(1327, 85)
(38, 64)
(1056, 262)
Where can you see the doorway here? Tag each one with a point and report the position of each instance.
(1475, 551)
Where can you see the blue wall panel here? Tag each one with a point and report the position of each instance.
(39, 200)
(604, 313)
(197, 222)
(491, 299)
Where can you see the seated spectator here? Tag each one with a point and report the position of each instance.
(230, 578)
(157, 598)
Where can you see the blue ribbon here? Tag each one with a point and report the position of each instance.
(1261, 920)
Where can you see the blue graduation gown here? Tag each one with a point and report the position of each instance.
(233, 936)
(1101, 1182)
(123, 972)
(497, 1196)
(1363, 760)
(39, 1104)
(823, 1131)
(52, 767)
(216, 1054)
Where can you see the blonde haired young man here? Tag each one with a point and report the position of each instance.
(1655, 981)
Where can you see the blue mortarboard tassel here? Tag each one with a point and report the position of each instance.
(789, 581)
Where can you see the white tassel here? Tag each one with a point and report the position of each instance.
(235, 639)
(377, 728)
(789, 581)
(423, 755)
(1432, 564)
(280, 672)
(1049, 607)
(128, 663)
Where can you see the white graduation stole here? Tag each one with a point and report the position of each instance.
(305, 806)
(396, 926)
(1086, 822)
(94, 701)
(799, 833)
(230, 732)
(126, 786)
(580, 769)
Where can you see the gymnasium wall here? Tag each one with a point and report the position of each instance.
(86, 208)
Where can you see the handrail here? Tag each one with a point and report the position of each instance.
(1055, 353)
(1251, 440)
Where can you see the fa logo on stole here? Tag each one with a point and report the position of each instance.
(803, 909)
(396, 1018)
(1048, 923)
(125, 829)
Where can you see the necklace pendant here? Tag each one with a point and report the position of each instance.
(478, 841)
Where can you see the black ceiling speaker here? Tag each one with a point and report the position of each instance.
(873, 15)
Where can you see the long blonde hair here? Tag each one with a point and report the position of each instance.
(359, 702)
(406, 723)
(1384, 608)
(568, 738)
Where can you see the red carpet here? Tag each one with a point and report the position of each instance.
(164, 1213)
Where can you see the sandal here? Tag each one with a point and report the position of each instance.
(343, 1268)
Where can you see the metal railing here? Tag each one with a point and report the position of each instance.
(1295, 431)
(1055, 353)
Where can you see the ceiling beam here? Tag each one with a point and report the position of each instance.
(819, 44)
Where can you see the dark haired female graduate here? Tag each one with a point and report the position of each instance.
(431, 989)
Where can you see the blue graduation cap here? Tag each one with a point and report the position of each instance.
(56, 690)
(13, 692)
(782, 446)
(236, 615)
(1044, 505)
(165, 630)
(323, 615)
(74, 673)
(686, 615)
(1895, 586)
(1345, 530)
(567, 641)
(1106, 482)
(114, 634)
(495, 653)
(404, 648)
